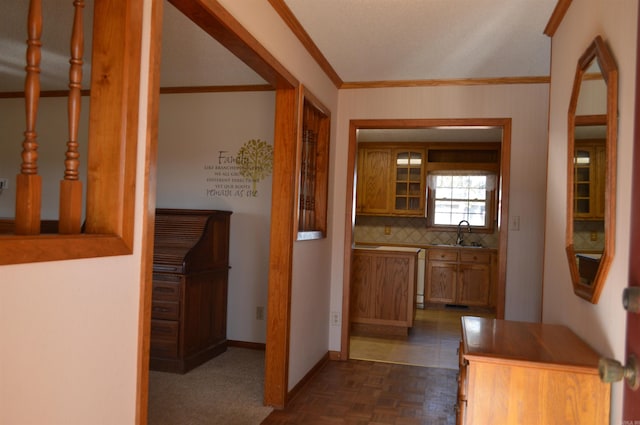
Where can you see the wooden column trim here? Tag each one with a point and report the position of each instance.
(148, 218)
(283, 215)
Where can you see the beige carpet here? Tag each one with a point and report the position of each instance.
(226, 390)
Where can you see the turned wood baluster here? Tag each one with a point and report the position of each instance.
(28, 182)
(71, 186)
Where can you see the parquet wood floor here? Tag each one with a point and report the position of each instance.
(402, 381)
(359, 392)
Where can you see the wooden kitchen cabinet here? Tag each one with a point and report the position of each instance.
(373, 192)
(589, 179)
(391, 180)
(514, 373)
(383, 290)
(461, 276)
(409, 182)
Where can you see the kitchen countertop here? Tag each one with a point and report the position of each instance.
(388, 248)
(414, 247)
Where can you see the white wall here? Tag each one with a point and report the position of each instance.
(194, 130)
(69, 329)
(601, 325)
(311, 281)
(527, 106)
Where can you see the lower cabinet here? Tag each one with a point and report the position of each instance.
(463, 276)
(515, 373)
(188, 319)
(383, 290)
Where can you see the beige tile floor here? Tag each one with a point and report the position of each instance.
(432, 342)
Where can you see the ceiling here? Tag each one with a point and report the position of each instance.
(391, 40)
(363, 40)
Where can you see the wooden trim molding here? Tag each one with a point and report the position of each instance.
(298, 30)
(283, 213)
(148, 219)
(216, 89)
(556, 17)
(446, 82)
(216, 21)
(505, 185)
(309, 375)
(505, 173)
(44, 93)
(163, 90)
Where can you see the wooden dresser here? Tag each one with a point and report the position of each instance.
(528, 373)
(189, 299)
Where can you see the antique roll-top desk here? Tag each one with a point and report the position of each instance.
(190, 277)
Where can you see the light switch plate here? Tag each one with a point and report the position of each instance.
(514, 223)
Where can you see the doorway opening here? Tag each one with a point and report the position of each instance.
(221, 26)
(425, 130)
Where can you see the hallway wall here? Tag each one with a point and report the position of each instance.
(526, 105)
(601, 325)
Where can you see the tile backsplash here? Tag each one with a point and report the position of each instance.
(588, 235)
(411, 231)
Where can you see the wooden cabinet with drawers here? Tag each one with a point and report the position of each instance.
(518, 373)
(189, 296)
(461, 276)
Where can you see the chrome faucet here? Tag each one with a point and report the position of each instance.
(460, 239)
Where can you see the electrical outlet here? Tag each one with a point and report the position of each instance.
(594, 236)
(387, 230)
(335, 318)
(259, 313)
(4, 184)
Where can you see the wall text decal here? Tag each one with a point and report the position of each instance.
(237, 175)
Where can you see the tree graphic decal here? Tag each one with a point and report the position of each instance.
(255, 161)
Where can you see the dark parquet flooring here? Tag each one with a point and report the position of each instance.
(358, 392)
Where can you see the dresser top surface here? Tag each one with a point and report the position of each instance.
(534, 343)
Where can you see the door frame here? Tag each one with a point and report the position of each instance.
(503, 213)
(630, 403)
(214, 19)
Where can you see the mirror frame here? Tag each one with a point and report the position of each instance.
(599, 51)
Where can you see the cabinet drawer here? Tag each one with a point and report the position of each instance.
(470, 256)
(164, 349)
(165, 291)
(165, 310)
(443, 254)
(165, 330)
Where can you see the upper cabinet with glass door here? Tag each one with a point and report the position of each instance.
(409, 190)
(589, 174)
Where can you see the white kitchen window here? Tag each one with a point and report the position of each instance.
(461, 195)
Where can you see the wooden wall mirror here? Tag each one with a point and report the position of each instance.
(591, 170)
